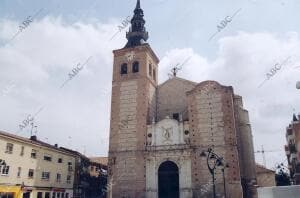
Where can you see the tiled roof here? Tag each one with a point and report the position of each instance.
(179, 79)
(261, 169)
(34, 141)
(101, 160)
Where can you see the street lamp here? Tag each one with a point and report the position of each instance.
(217, 162)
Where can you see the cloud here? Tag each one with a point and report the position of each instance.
(39, 59)
(243, 61)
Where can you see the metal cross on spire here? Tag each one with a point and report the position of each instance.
(178, 67)
(175, 69)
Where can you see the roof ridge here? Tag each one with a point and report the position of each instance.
(34, 142)
(178, 78)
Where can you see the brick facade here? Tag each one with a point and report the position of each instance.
(133, 106)
(175, 121)
(212, 124)
(292, 149)
(265, 177)
(215, 117)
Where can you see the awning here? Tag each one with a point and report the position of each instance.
(59, 190)
(27, 189)
(16, 190)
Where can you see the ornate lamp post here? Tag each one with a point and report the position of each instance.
(213, 161)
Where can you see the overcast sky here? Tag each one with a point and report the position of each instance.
(35, 60)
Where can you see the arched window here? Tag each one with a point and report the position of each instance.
(150, 70)
(124, 68)
(135, 67)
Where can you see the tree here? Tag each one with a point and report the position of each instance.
(282, 176)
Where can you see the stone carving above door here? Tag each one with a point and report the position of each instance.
(166, 132)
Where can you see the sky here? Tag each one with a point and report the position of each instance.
(43, 42)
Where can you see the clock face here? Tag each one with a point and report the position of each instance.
(129, 56)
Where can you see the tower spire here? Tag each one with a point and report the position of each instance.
(138, 5)
(137, 34)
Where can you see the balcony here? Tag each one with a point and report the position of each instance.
(290, 138)
(287, 151)
(297, 168)
(289, 133)
(70, 169)
(292, 148)
(293, 156)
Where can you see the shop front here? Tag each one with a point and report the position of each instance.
(10, 191)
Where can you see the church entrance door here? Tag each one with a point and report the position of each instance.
(168, 180)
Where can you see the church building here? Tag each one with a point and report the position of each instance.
(158, 132)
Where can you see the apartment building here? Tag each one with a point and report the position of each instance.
(98, 174)
(292, 149)
(98, 166)
(34, 169)
(265, 177)
(90, 178)
(81, 176)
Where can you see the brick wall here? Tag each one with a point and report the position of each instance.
(212, 124)
(133, 105)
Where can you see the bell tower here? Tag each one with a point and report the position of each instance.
(133, 106)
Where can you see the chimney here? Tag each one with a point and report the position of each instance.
(56, 145)
(33, 138)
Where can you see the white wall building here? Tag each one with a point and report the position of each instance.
(279, 192)
(171, 143)
(34, 169)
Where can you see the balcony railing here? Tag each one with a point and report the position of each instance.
(286, 147)
(70, 168)
(297, 168)
(289, 131)
(293, 156)
(292, 148)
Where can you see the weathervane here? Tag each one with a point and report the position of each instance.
(175, 70)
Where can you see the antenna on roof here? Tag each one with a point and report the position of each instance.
(33, 127)
(84, 150)
(70, 141)
(263, 152)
